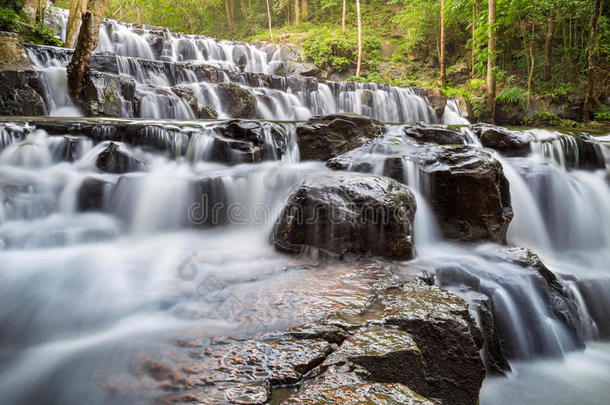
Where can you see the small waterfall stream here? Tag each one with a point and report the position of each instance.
(97, 262)
(164, 66)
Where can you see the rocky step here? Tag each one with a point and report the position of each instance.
(229, 142)
(354, 354)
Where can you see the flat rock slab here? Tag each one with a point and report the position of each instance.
(339, 385)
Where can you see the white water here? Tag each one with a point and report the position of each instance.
(286, 99)
(99, 283)
(84, 295)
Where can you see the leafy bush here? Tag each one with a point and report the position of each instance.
(8, 19)
(512, 95)
(329, 48)
(603, 114)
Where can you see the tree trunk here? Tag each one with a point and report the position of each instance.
(550, 31)
(359, 39)
(442, 51)
(42, 10)
(269, 17)
(244, 10)
(472, 57)
(77, 9)
(29, 10)
(297, 10)
(343, 17)
(229, 17)
(232, 11)
(304, 9)
(87, 42)
(591, 61)
(491, 60)
(530, 65)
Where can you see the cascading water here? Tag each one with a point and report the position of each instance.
(159, 62)
(93, 249)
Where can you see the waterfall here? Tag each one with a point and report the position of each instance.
(99, 215)
(158, 61)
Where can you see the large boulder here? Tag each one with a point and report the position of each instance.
(464, 186)
(240, 141)
(92, 194)
(388, 355)
(324, 137)
(108, 95)
(468, 193)
(507, 142)
(340, 214)
(441, 328)
(438, 134)
(20, 93)
(239, 102)
(114, 160)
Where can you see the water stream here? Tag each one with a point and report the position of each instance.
(83, 294)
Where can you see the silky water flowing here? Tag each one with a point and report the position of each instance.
(107, 262)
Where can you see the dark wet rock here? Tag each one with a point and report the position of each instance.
(241, 141)
(527, 258)
(108, 95)
(324, 137)
(582, 151)
(69, 149)
(114, 160)
(446, 335)
(464, 186)
(442, 329)
(106, 62)
(507, 142)
(388, 355)
(240, 394)
(342, 214)
(437, 100)
(20, 93)
(468, 193)
(594, 292)
(92, 194)
(302, 84)
(557, 295)
(240, 102)
(493, 355)
(434, 134)
(342, 385)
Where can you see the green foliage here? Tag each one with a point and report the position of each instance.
(14, 5)
(330, 48)
(41, 35)
(8, 19)
(512, 95)
(603, 114)
(546, 118)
